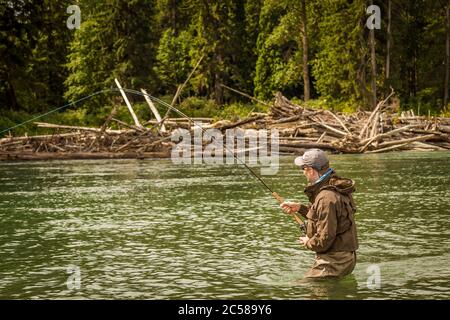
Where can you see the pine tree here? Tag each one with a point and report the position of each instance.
(283, 64)
(33, 42)
(116, 40)
(340, 66)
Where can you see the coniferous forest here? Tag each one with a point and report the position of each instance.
(319, 53)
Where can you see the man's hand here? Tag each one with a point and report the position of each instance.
(290, 207)
(303, 240)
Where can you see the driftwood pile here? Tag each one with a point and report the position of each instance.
(299, 128)
(364, 132)
(83, 143)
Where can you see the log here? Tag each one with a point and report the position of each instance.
(5, 156)
(127, 102)
(309, 145)
(153, 109)
(428, 146)
(445, 129)
(290, 150)
(321, 137)
(40, 137)
(368, 141)
(239, 123)
(388, 148)
(288, 119)
(134, 128)
(332, 129)
(56, 147)
(378, 107)
(339, 120)
(421, 138)
(58, 126)
(193, 119)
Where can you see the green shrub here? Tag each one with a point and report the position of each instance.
(199, 107)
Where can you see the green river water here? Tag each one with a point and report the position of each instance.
(149, 229)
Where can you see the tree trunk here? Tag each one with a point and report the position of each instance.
(388, 44)
(12, 98)
(306, 83)
(218, 90)
(374, 68)
(447, 51)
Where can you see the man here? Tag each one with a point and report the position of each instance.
(331, 228)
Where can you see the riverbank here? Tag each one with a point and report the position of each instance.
(298, 128)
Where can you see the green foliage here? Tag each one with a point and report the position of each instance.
(272, 41)
(254, 46)
(340, 50)
(199, 107)
(173, 60)
(207, 108)
(115, 40)
(33, 48)
(236, 111)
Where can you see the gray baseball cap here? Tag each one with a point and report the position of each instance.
(315, 158)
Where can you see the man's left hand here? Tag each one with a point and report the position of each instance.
(303, 240)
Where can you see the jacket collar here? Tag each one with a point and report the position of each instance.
(313, 190)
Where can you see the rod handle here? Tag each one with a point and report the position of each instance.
(279, 198)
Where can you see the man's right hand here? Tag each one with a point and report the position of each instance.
(290, 207)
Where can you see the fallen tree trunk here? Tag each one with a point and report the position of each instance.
(81, 155)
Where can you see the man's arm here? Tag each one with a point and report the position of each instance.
(295, 207)
(326, 223)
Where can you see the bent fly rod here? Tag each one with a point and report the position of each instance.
(274, 194)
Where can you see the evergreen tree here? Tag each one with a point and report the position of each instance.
(33, 42)
(282, 61)
(340, 66)
(117, 39)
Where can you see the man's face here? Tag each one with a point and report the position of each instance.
(310, 174)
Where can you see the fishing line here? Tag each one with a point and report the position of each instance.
(59, 108)
(140, 94)
(274, 194)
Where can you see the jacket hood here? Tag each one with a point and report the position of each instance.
(341, 185)
(333, 182)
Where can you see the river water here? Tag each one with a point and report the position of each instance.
(149, 229)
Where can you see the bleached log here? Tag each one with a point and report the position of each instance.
(388, 148)
(153, 109)
(421, 138)
(59, 126)
(339, 120)
(239, 123)
(321, 137)
(127, 102)
(4, 141)
(374, 112)
(140, 129)
(368, 141)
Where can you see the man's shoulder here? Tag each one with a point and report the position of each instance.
(328, 195)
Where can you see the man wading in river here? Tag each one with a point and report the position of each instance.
(331, 228)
